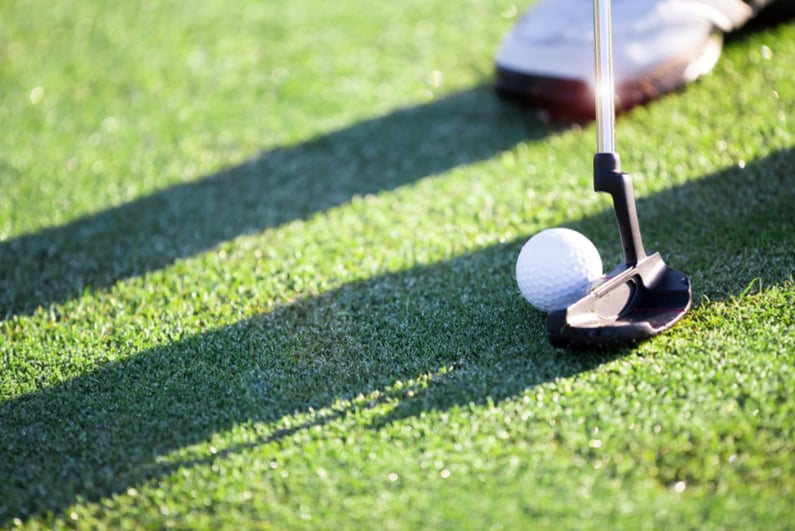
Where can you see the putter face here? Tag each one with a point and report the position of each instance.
(633, 304)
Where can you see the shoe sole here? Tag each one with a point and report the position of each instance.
(572, 100)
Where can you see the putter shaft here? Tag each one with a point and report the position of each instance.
(604, 89)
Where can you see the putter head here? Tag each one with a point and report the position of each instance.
(633, 303)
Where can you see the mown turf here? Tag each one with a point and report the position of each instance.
(256, 271)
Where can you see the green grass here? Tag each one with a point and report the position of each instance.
(256, 271)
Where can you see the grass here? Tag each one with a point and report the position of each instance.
(256, 271)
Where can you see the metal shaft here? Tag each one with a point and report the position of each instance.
(604, 88)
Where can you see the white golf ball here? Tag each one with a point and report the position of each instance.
(556, 267)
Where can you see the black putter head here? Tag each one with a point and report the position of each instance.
(633, 304)
(639, 299)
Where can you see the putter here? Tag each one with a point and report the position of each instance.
(642, 296)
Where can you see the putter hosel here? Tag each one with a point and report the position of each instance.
(608, 178)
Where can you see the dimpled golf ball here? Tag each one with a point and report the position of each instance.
(556, 267)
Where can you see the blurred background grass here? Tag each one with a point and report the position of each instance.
(256, 269)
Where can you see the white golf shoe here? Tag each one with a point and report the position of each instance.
(547, 59)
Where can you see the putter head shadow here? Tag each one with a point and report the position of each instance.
(634, 303)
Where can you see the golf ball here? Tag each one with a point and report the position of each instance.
(556, 267)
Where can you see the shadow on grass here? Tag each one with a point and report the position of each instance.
(456, 332)
(279, 186)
